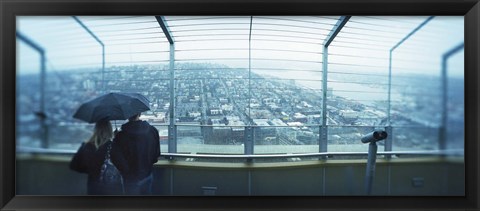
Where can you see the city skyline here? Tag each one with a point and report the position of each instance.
(194, 107)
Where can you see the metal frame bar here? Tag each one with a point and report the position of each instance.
(443, 130)
(250, 68)
(389, 140)
(172, 128)
(249, 140)
(323, 139)
(318, 154)
(166, 30)
(335, 30)
(103, 49)
(43, 59)
(249, 130)
(321, 154)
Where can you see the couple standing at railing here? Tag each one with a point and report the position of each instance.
(117, 162)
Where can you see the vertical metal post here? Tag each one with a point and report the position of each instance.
(103, 49)
(250, 69)
(442, 142)
(443, 130)
(249, 130)
(41, 114)
(103, 70)
(172, 128)
(248, 141)
(389, 88)
(323, 138)
(389, 140)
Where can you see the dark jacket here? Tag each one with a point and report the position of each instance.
(140, 144)
(89, 160)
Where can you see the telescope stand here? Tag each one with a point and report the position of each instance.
(372, 157)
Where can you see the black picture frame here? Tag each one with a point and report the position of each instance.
(11, 8)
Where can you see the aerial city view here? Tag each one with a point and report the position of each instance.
(213, 104)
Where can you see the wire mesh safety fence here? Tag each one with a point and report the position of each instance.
(232, 73)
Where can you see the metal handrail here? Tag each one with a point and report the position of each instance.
(318, 154)
(181, 124)
(256, 156)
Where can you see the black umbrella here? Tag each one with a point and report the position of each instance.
(112, 106)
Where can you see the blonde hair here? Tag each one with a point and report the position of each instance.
(102, 133)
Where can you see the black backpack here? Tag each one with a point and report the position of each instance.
(110, 179)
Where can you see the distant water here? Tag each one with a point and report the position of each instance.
(361, 92)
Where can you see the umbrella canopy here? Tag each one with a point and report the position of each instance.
(112, 106)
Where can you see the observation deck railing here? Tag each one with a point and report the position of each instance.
(171, 156)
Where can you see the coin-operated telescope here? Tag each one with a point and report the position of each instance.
(372, 138)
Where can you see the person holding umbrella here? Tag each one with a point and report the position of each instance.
(140, 143)
(136, 147)
(90, 158)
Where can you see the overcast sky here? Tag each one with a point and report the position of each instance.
(278, 43)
